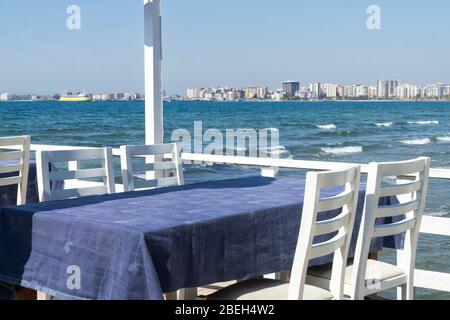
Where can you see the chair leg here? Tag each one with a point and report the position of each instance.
(172, 296)
(188, 294)
(402, 292)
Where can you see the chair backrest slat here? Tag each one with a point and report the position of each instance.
(154, 171)
(333, 203)
(328, 247)
(394, 228)
(336, 231)
(79, 174)
(47, 178)
(11, 155)
(13, 142)
(9, 181)
(398, 209)
(410, 189)
(331, 225)
(15, 159)
(11, 168)
(400, 189)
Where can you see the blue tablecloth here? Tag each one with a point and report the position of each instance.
(8, 196)
(139, 245)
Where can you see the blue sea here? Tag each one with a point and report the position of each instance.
(328, 131)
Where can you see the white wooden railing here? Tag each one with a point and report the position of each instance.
(270, 166)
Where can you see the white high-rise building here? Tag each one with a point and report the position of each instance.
(361, 91)
(194, 93)
(330, 90)
(372, 92)
(388, 89)
(4, 96)
(348, 92)
(407, 91)
(315, 89)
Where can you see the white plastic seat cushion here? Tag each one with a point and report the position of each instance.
(376, 270)
(266, 289)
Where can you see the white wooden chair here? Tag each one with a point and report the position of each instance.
(157, 173)
(338, 228)
(78, 182)
(15, 154)
(410, 186)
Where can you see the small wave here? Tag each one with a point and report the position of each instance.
(236, 149)
(424, 123)
(438, 213)
(384, 124)
(272, 148)
(443, 139)
(419, 142)
(275, 150)
(343, 150)
(327, 127)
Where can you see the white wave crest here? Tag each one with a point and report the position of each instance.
(424, 123)
(384, 124)
(443, 139)
(327, 127)
(275, 150)
(443, 213)
(343, 150)
(419, 142)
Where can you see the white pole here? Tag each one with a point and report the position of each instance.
(153, 72)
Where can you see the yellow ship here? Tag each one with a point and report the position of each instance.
(78, 98)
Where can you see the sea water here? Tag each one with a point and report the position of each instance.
(325, 131)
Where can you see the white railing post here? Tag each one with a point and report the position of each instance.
(153, 72)
(269, 172)
(154, 131)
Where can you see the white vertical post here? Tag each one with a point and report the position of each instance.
(153, 72)
(154, 131)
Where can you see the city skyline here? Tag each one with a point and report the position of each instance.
(265, 44)
(289, 90)
(292, 90)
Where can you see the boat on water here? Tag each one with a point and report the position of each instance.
(76, 98)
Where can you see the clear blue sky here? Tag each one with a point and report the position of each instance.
(211, 42)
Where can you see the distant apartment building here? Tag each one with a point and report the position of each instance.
(262, 93)
(372, 92)
(251, 93)
(436, 91)
(349, 92)
(408, 91)
(279, 95)
(290, 88)
(194, 93)
(316, 89)
(120, 96)
(361, 91)
(387, 89)
(131, 96)
(4, 96)
(329, 90)
(340, 91)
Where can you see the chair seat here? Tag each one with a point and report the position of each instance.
(376, 271)
(266, 289)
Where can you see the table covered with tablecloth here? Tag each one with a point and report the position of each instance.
(8, 196)
(139, 245)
